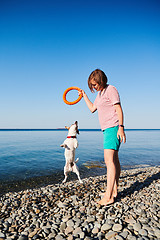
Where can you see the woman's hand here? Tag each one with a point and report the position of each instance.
(90, 105)
(81, 92)
(121, 134)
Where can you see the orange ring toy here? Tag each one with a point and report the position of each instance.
(65, 93)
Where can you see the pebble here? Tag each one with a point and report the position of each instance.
(117, 227)
(106, 227)
(110, 234)
(69, 211)
(137, 226)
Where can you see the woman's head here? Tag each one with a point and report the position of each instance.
(97, 80)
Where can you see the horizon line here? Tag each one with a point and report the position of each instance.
(63, 129)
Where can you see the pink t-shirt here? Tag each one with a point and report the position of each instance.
(105, 105)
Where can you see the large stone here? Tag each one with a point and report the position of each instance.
(117, 227)
(68, 230)
(143, 232)
(105, 227)
(110, 234)
(95, 230)
(70, 223)
(137, 226)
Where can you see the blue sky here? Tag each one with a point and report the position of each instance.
(48, 46)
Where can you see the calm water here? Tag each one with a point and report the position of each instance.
(25, 154)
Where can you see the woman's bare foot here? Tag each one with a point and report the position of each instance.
(115, 193)
(103, 193)
(106, 202)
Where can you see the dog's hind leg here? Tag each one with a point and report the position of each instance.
(77, 160)
(65, 174)
(65, 178)
(75, 170)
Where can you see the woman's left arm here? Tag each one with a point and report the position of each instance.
(120, 132)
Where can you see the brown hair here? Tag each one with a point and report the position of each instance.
(99, 77)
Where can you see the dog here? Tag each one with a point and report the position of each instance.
(70, 144)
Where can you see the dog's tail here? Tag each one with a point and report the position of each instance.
(77, 160)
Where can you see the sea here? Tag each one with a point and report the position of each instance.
(33, 157)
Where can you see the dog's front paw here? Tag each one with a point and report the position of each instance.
(63, 145)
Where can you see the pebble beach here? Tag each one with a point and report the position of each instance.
(69, 210)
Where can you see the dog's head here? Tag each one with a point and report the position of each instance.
(73, 129)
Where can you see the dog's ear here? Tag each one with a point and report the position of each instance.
(77, 131)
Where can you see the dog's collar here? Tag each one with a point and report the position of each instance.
(71, 136)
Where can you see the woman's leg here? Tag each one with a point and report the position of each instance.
(118, 171)
(113, 173)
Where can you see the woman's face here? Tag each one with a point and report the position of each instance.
(96, 86)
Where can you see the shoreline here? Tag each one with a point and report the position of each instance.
(86, 171)
(43, 181)
(69, 211)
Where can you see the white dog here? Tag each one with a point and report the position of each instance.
(70, 144)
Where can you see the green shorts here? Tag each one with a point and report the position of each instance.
(110, 140)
